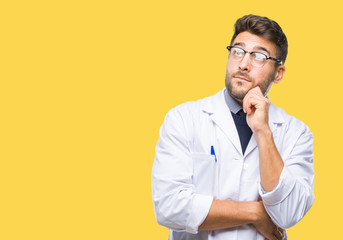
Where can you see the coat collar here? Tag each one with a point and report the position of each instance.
(220, 113)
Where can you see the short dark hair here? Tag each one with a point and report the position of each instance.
(265, 28)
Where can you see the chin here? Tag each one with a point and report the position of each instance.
(237, 90)
(239, 95)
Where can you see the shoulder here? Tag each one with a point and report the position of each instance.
(193, 108)
(289, 123)
(291, 135)
(181, 120)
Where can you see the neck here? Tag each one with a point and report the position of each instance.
(239, 101)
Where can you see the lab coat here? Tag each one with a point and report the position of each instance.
(186, 177)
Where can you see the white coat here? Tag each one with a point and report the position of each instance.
(186, 177)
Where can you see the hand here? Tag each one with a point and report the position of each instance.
(265, 226)
(256, 106)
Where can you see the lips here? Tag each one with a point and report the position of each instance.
(241, 78)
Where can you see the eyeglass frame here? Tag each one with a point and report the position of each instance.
(278, 61)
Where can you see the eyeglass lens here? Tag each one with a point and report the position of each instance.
(257, 59)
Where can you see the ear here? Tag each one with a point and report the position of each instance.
(280, 71)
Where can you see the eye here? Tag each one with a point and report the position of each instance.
(259, 57)
(238, 52)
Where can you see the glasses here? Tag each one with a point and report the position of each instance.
(257, 59)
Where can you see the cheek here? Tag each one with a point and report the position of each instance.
(263, 80)
(231, 68)
(232, 65)
(228, 67)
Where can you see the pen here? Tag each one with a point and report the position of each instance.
(213, 153)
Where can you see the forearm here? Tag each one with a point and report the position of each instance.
(271, 163)
(288, 201)
(228, 214)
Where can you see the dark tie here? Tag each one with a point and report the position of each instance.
(241, 113)
(243, 129)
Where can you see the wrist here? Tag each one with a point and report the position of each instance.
(256, 214)
(262, 134)
(253, 212)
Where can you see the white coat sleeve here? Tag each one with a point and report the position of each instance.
(293, 196)
(176, 204)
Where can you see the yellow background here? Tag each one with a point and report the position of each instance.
(85, 86)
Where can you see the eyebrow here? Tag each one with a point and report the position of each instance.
(257, 47)
(263, 49)
(239, 44)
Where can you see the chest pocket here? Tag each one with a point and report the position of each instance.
(204, 172)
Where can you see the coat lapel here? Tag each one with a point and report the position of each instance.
(220, 114)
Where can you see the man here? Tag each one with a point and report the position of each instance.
(233, 165)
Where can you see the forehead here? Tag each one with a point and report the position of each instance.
(252, 42)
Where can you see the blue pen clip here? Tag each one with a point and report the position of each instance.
(213, 153)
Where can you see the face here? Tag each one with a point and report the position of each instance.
(242, 76)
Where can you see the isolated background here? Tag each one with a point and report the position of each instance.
(85, 86)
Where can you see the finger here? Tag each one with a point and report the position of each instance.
(248, 105)
(276, 236)
(248, 101)
(255, 93)
(257, 101)
(279, 233)
(257, 90)
(251, 102)
(283, 231)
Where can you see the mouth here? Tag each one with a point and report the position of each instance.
(240, 78)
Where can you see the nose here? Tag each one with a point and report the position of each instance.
(245, 63)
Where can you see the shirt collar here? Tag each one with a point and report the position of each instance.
(216, 106)
(231, 103)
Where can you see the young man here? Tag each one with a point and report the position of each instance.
(233, 165)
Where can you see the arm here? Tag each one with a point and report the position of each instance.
(228, 214)
(176, 203)
(293, 196)
(256, 106)
(287, 184)
(178, 206)
(271, 163)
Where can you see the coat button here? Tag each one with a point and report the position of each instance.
(245, 166)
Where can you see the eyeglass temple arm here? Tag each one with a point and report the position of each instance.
(276, 60)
